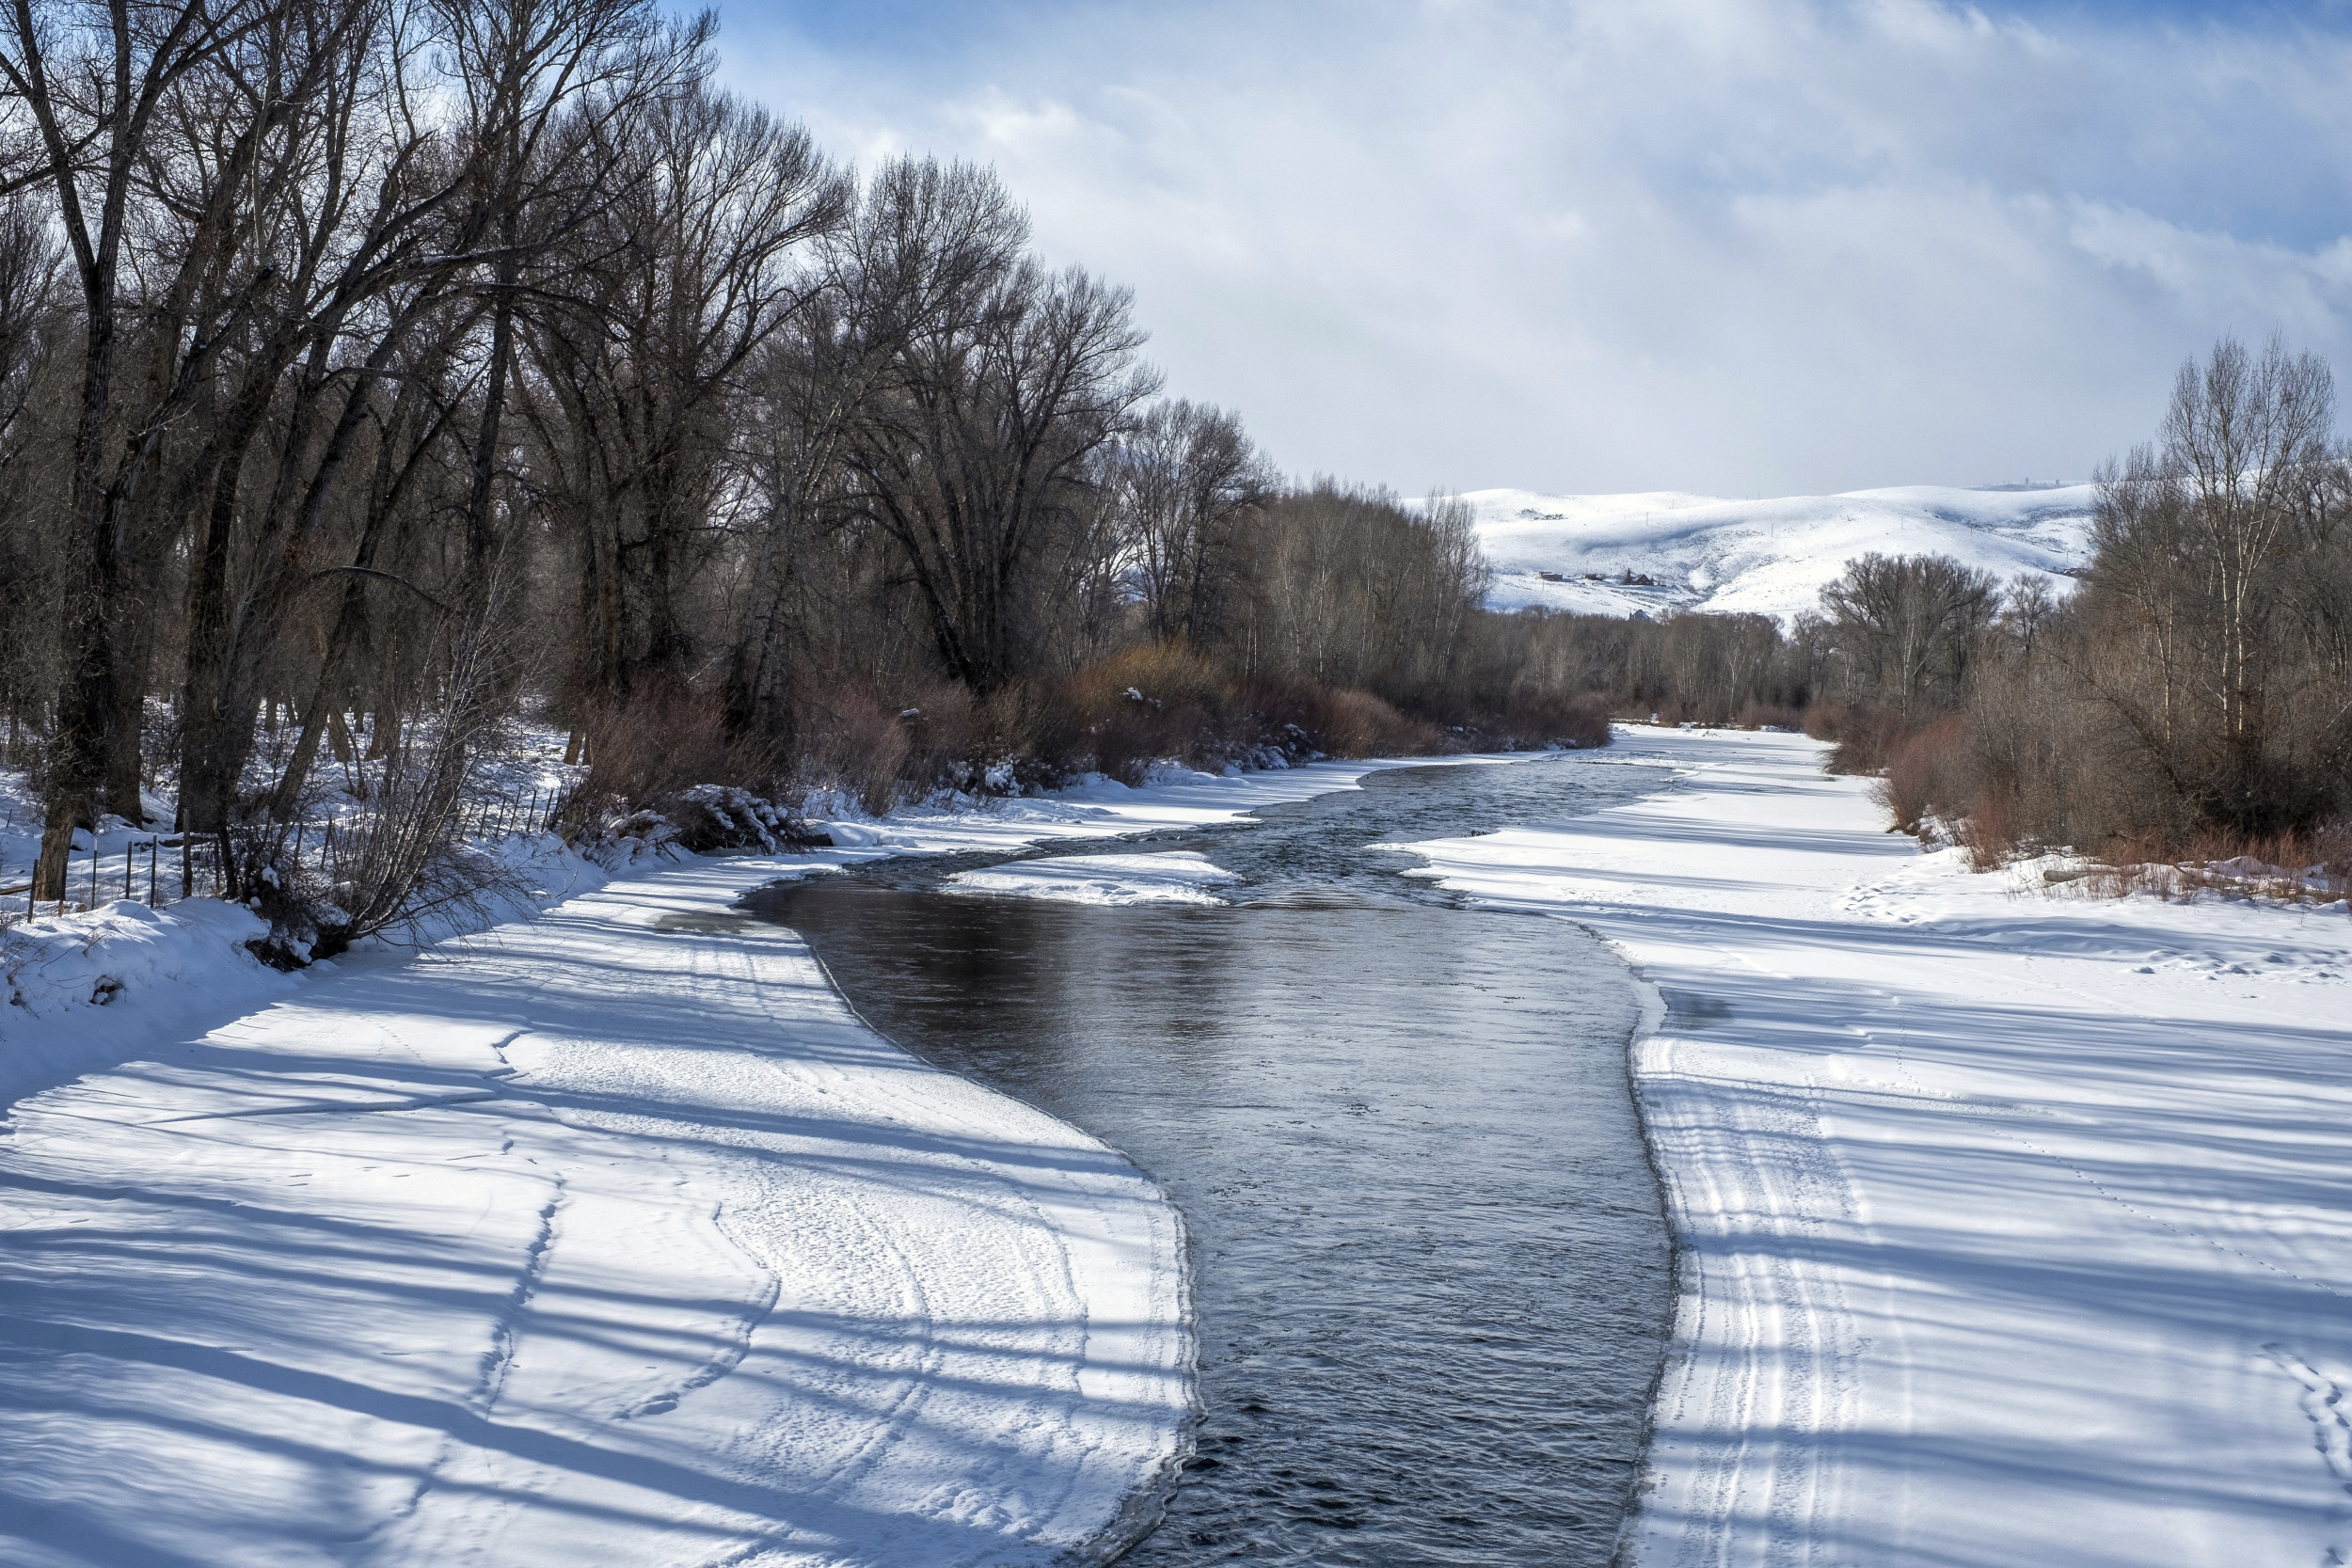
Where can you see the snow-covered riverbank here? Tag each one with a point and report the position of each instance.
(2017, 1228)
(608, 1236)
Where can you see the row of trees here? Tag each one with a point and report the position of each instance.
(2200, 683)
(372, 369)
(1894, 636)
(2195, 687)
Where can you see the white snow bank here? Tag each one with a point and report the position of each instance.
(2017, 1227)
(608, 1237)
(1766, 557)
(605, 1238)
(1177, 877)
(1173, 798)
(82, 990)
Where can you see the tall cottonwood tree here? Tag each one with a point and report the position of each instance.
(91, 92)
(696, 266)
(1908, 630)
(998, 383)
(1184, 484)
(2215, 652)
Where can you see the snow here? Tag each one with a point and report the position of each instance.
(605, 1237)
(2015, 1225)
(609, 1237)
(1762, 557)
(1177, 877)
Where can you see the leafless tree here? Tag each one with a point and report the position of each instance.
(1907, 629)
(1183, 486)
(1001, 382)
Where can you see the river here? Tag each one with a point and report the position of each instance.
(1430, 1267)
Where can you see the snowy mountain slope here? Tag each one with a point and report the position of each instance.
(1767, 557)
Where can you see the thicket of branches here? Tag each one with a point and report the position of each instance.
(2197, 689)
(2192, 696)
(370, 370)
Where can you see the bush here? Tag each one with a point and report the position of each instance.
(658, 743)
(1927, 772)
(1865, 735)
(1769, 716)
(1301, 717)
(860, 746)
(1160, 701)
(1549, 720)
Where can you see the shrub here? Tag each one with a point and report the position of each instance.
(661, 741)
(1549, 719)
(860, 746)
(1159, 700)
(1867, 737)
(1927, 772)
(1769, 716)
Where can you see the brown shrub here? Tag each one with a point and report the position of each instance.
(1991, 830)
(1158, 702)
(1927, 771)
(1173, 674)
(1549, 719)
(1298, 716)
(664, 741)
(1770, 715)
(1867, 738)
(2301, 866)
(1359, 724)
(943, 726)
(858, 744)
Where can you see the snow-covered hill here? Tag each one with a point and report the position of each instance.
(1770, 557)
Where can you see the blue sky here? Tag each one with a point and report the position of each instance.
(1738, 246)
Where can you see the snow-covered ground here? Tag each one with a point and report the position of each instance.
(604, 1237)
(1178, 877)
(2016, 1225)
(1764, 557)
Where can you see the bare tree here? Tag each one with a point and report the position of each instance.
(1001, 383)
(90, 92)
(642, 365)
(1908, 627)
(1184, 485)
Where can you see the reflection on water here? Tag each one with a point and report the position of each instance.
(1430, 1270)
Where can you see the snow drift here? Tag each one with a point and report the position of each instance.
(1179, 878)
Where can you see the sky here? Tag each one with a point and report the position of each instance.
(1741, 247)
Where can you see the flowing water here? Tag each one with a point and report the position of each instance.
(1429, 1265)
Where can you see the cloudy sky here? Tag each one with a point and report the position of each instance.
(1738, 246)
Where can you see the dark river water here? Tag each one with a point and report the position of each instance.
(1429, 1265)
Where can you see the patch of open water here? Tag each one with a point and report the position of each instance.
(1430, 1269)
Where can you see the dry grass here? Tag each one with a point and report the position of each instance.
(2313, 867)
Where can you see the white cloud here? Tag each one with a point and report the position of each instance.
(1745, 245)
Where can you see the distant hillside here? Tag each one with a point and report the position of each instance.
(1770, 557)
